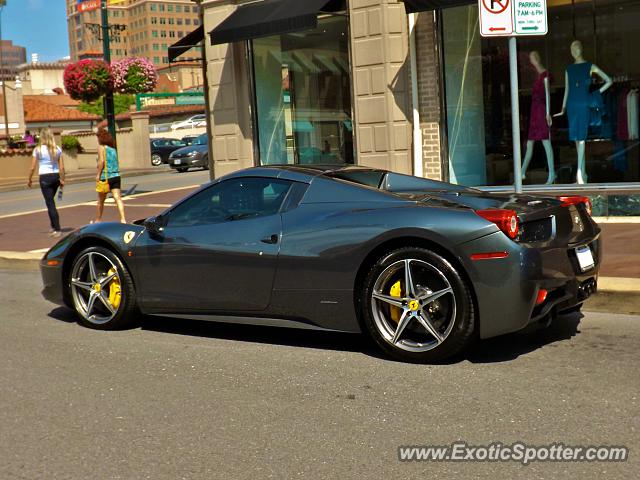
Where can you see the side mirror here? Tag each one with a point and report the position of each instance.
(155, 226)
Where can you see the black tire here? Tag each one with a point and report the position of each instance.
(126, 312)
(156, 160)
(458, 336)
(205, 165)
(182, 169)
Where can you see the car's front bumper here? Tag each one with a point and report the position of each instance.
(53, 282)
(506, 289)
(186, 162)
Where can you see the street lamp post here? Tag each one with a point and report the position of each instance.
(109, 108)
(4, 88)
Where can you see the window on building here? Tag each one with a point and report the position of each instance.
(178, 8)
(165, 47)
(186, 9)
(154, 7)
(165, 59)
(303, 95)
(172, 21)
(179, 21)
(180, 34)
(169, 8)
(161, 7)
(156, 60)
(172, 34)
(154, 33)
(196, 21)
(478, 106)
(187, 21)
(154, 20)
(163, 21)
(163, 34)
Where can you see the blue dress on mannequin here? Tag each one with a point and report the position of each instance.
(579, 75)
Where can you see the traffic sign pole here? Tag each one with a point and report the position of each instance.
(515, 114)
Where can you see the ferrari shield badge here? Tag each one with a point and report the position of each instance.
(128, 236)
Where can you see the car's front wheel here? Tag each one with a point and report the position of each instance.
(101, 290)
(182, 169)
(156, 160)
(416, 306)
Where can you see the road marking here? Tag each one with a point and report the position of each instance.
(93, 202)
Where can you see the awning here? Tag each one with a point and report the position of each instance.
(271, 17)
(413, 6)
(186, 43)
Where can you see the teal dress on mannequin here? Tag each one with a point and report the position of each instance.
(579, 75)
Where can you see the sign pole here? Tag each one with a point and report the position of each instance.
(109, 108)
(515, 114)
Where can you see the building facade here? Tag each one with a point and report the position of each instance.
(143, 28)
(12, 57)
(412, 86)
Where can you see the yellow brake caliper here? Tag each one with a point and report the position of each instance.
(114, 289)
(396, 291)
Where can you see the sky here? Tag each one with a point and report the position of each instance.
(38, 25)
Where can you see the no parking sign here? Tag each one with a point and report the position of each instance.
(500, 18)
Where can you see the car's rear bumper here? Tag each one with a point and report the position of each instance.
(506, 289)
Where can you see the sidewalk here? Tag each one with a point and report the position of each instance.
(24, 239)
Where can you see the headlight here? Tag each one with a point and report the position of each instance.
(193, 154)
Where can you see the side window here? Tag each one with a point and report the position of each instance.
(231, 200)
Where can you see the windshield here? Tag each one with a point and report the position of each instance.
(201, 140)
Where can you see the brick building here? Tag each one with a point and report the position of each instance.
(143, 28)
(12, 56)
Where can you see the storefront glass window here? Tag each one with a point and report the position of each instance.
(595, 141)
(303, 96)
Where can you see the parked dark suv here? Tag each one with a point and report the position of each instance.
(162, 147)
(195, 155)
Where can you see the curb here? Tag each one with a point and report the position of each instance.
(605, 284)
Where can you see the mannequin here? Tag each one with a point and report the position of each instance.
(577, 80)
(540, 120)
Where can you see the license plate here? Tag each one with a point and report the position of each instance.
(585, 258)
(177, 161)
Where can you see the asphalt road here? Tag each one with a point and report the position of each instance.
(176, 399)
(28, 200)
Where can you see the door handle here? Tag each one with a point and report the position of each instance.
(272, 240)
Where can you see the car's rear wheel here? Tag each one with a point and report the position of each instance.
(416, 306)
(156, 160)
(101, 290)
(182, 169)
(205, 163)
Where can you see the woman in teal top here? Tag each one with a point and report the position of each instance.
(109, 170)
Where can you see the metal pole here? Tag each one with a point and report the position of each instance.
(109, 108)
(515, 114)
(4, 87)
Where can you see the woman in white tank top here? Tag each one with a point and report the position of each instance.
(48, 156)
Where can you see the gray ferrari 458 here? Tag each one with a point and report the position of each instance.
(423, 267)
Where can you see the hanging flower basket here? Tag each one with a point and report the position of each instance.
(87, 80)
(134, 75)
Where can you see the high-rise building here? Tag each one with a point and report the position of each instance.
(12, 56)
(141, 28)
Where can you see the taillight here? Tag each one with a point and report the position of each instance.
(576, 200)
(506, 220)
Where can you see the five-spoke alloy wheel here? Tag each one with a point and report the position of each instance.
(416, 306)
(101, 289)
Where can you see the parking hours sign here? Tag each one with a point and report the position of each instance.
(530, 17)
(505, 18)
